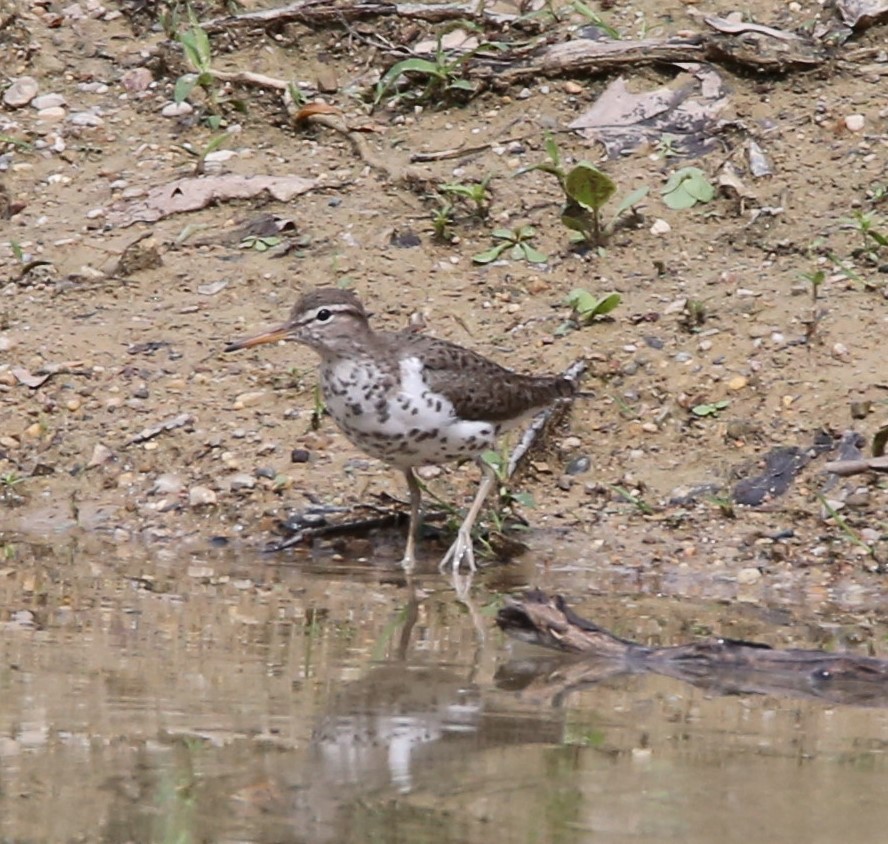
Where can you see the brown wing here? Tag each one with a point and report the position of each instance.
(478, 388)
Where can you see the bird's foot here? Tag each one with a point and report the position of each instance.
(408, 563)
(461, 549)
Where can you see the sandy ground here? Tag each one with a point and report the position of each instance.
(128, 347)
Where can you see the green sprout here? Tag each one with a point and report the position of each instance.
(517, 241)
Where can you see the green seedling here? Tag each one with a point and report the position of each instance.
(666, 146)
(261, 244)
(815, 279)
(595, 19)
(517, 242)
(872, 238)
(474, 192)
(442, 75)
(635, 500)
(587, 307)
(852, 534)
(15, 142)
(709, 409)
(442, 221)
(198, 53)
(586, 190)
(211, 146)
(686, 187)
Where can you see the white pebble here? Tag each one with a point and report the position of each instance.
(660, 227)
(47, 101)
(855, 122)
(176, 109)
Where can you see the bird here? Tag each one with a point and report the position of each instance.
(410, 399)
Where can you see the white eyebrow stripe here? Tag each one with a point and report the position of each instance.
(312, 315)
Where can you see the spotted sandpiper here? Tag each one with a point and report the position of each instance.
(409, 399)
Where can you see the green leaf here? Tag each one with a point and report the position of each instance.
(553, 152)
(407, 66)
(607, 303)
(631, 199)
(576, 218)
(589, 186)
(533, 255)
(491, 254)
(582, 301)
(686, 187)
(184, 86)
(504, 234)
(525, 499)
(463, 85)
(595, 19)
(516, 253)
(493, 459)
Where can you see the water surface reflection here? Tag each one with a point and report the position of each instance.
(206, 696)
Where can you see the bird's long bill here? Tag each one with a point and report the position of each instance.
(280, 333)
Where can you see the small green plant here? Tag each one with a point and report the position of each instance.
(666, 146)
(635, 500)
(517, 242)
(595, 19)
(852, 534)
(261, 243)
(586, 190)
(201, 155)
(474, 192)
(872, 239)
(442, 221)
(587, 307)
(709, 408)
(443, 75)
(198, 53)
(686, 187)
(815, 279)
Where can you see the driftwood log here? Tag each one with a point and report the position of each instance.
(724, 666)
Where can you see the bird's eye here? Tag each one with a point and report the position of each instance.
(323, 315)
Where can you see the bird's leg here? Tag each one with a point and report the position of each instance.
(462, 547)
(415, 499)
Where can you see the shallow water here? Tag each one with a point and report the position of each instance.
(214, 696)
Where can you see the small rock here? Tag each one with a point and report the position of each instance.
(21, 92)
(839, 351)
(101, 454)
(571, 87)
(427, 473)
(565, 482)
(176, 109)
(300, 455)
(249, 399)
(571, 443)
(52, 114)
(738, 382)
(47, 101)
(85, 118)
(168, 484)
(578, 465)
(748, 576)
(660, 227)
(241, 481)
(524, 94)
(855, 122)
(266, 472)
(136, 79)
(201, 496)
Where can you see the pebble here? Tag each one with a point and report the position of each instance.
(249, 399)
(54, 113)
(571, 443)
(176, 109)
(241, 481)
(101, 454)
(578, 465)
(168, 484)
(47, 101)
(738, 382)
(748, 576)
(300, 455)
(572, 87)
(855, 122)
(524, 94)
(839, 351)
(85, 118)
(21, 92)
(201, 496)
(565, 482)
(660, 227)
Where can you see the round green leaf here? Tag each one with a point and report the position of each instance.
(589, 186)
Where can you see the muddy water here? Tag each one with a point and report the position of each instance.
(215, 696)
